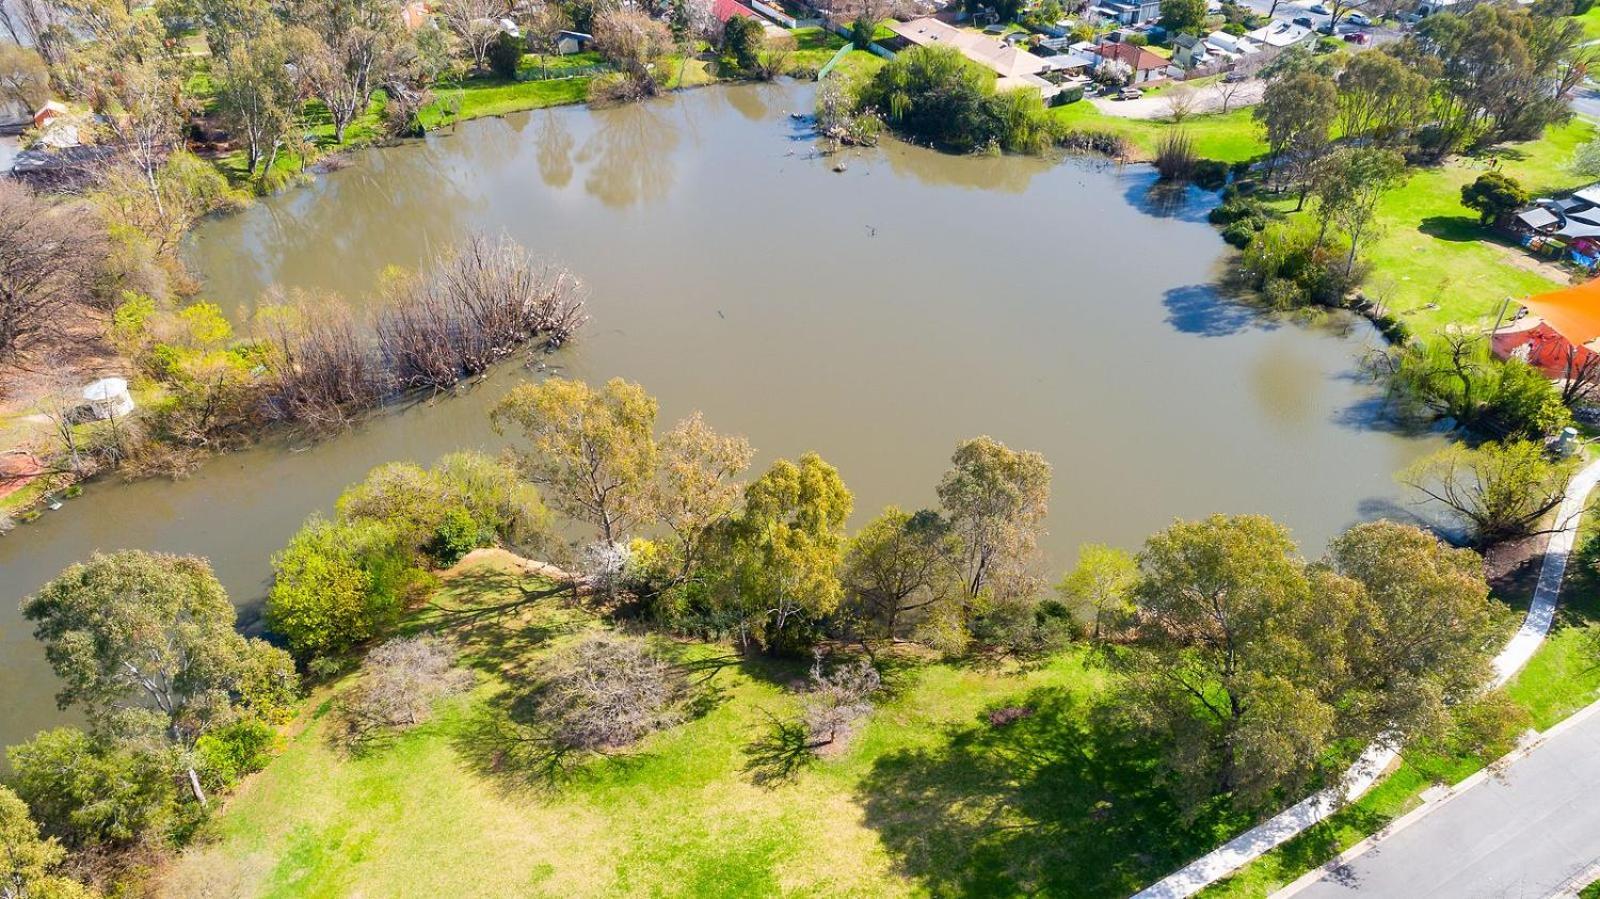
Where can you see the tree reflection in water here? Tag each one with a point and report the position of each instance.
(629, 155)
(555, 149)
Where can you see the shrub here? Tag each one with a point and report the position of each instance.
(335, 585)
(607, 691)
(229, 753)
(505, 54)
(1241, 233)
(457, 535)
(838, 699)
(400, 682)
(1210, 174)
(1024, 625)
(1175, 157)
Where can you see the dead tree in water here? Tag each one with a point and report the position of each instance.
(477, 305)
(325, 372)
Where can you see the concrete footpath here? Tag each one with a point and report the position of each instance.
(1529, 827)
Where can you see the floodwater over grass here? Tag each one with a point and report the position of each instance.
(877, 316)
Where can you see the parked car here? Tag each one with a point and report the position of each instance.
(1129, 93)
(1303, 21)
(1357, 37)
(1318, 8)
(1359, 18)
(1235, 77)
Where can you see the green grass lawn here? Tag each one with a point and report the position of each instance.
(1431, 250)
(478, 98)
(1591, 23)
(1232, 136)
(927, 798)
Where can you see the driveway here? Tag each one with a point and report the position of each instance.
(1528, 830)
(1209, 98)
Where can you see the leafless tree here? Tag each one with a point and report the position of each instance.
(477, 305)
(324, 372)
(475, 23)
(50, 256)
(839, 698)
(607, 691)
(1245, 69)
(1580, 375)
(1181, 102)
(400, 682)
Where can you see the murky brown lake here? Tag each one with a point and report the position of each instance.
(877, 316)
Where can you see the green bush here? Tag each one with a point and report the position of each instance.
(505, 55)
(1240, 233)
(1209, 174)
(457, 535)
(229, 753)
(335, 585)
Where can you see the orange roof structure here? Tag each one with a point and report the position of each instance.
(1574, 313)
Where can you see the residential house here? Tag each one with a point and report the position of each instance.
(1190, 52)
(1127, 12)
(57, 128)
(415, 15)
(725, 10)
(1146, 66)
(1014, 67)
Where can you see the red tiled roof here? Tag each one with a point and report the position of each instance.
(727, 9)
(1138, 58)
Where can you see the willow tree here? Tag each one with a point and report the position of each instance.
(777, 562)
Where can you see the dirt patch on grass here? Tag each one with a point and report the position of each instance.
(1512, 568)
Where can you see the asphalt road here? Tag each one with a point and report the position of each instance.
(1293, 9)
(1525, 832)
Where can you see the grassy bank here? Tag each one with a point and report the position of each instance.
(1232, 136)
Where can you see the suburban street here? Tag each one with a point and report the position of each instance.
(1294, 9)
(1524, 832)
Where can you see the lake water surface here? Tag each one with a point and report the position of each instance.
(877, 316)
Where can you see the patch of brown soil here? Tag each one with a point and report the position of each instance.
(1512, 568)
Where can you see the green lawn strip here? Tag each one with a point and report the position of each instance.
(1562, 677)
(491, 97)
(927, 798)
(1232, 136)
(535, 66)
(1432, 262)
(814, 47)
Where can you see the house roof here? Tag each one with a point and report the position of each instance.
(1280, 34)
(1004, 60)
(727, 9)
(1537, 217)
(1574, 313)
(1138, 58)
(1066, 62)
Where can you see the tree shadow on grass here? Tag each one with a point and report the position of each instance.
(1457, 229)
(1062, 802)
(780, 751)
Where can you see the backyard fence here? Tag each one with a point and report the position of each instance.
(551, 74)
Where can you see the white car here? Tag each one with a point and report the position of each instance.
(1358, 18)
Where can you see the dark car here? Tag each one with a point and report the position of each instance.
(1303, 21)
(1356, 37)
